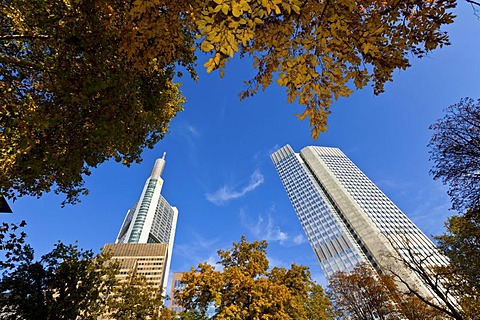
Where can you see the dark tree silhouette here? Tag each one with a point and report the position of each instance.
(66, 283)
(455, 151)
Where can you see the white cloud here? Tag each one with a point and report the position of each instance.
(274, 262)
(199, 249)
(227, 193)
(192, 130)
(299, 239)
(268, 229)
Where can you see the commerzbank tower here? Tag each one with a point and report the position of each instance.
(145, 241)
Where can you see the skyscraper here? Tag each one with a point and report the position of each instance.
(152, 220)
(347, 219)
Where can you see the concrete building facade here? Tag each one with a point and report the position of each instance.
(347, 219)
(144, 259)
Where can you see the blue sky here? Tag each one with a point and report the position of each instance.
(220, 177)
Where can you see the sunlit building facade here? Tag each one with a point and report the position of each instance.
(177, 286)
(346, 217)
(150, 225)
(142, 259)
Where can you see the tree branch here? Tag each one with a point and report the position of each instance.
(20, 63)
(23, 36)
(473, 2)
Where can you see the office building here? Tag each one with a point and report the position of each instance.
(347, 219)
(143, 259)
(147, 233)
(177, 286)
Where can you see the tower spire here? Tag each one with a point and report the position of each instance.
(158, 167)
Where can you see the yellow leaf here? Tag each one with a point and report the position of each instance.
(277, 10)
(236, 10)
(303, 115)
(296, 9)
(206, 46)
(225, 8)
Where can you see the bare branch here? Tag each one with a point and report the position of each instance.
(473, 2)
(20, 63)
(23, 36)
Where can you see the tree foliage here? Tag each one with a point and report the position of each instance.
(364, 294)
(361, 294)
(72, 95)
(321, 50)
(134, 298)
(84, 81)
(439, 279)
(461, 244)
(245, 288)
(66, 283)
(191, 315)
(455, 151)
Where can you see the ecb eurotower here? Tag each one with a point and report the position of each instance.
(347, 219)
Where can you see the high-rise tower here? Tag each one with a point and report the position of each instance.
(346, 217)
(152, 220)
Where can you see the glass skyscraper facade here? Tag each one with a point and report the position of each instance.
(152, 219)
(346, 217)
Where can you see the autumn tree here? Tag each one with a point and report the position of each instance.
(440, 283)
(245, 288)
(361, 294)
(76, 89)
(455, 151)
(66, 283)
(364, 294)
(135, 298)
(85, 81)
(461, 244)
(191, 315)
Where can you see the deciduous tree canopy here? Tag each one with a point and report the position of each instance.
(363, 294)
(135, 299)
(66, 283)
(321, 50)
(461, 243)
(245, 288)
(84, 81)
(72, 97)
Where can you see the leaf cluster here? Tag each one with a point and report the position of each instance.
(361, 294)
(135, 298)
(321, 50)
(245, 288)
(461, 244)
